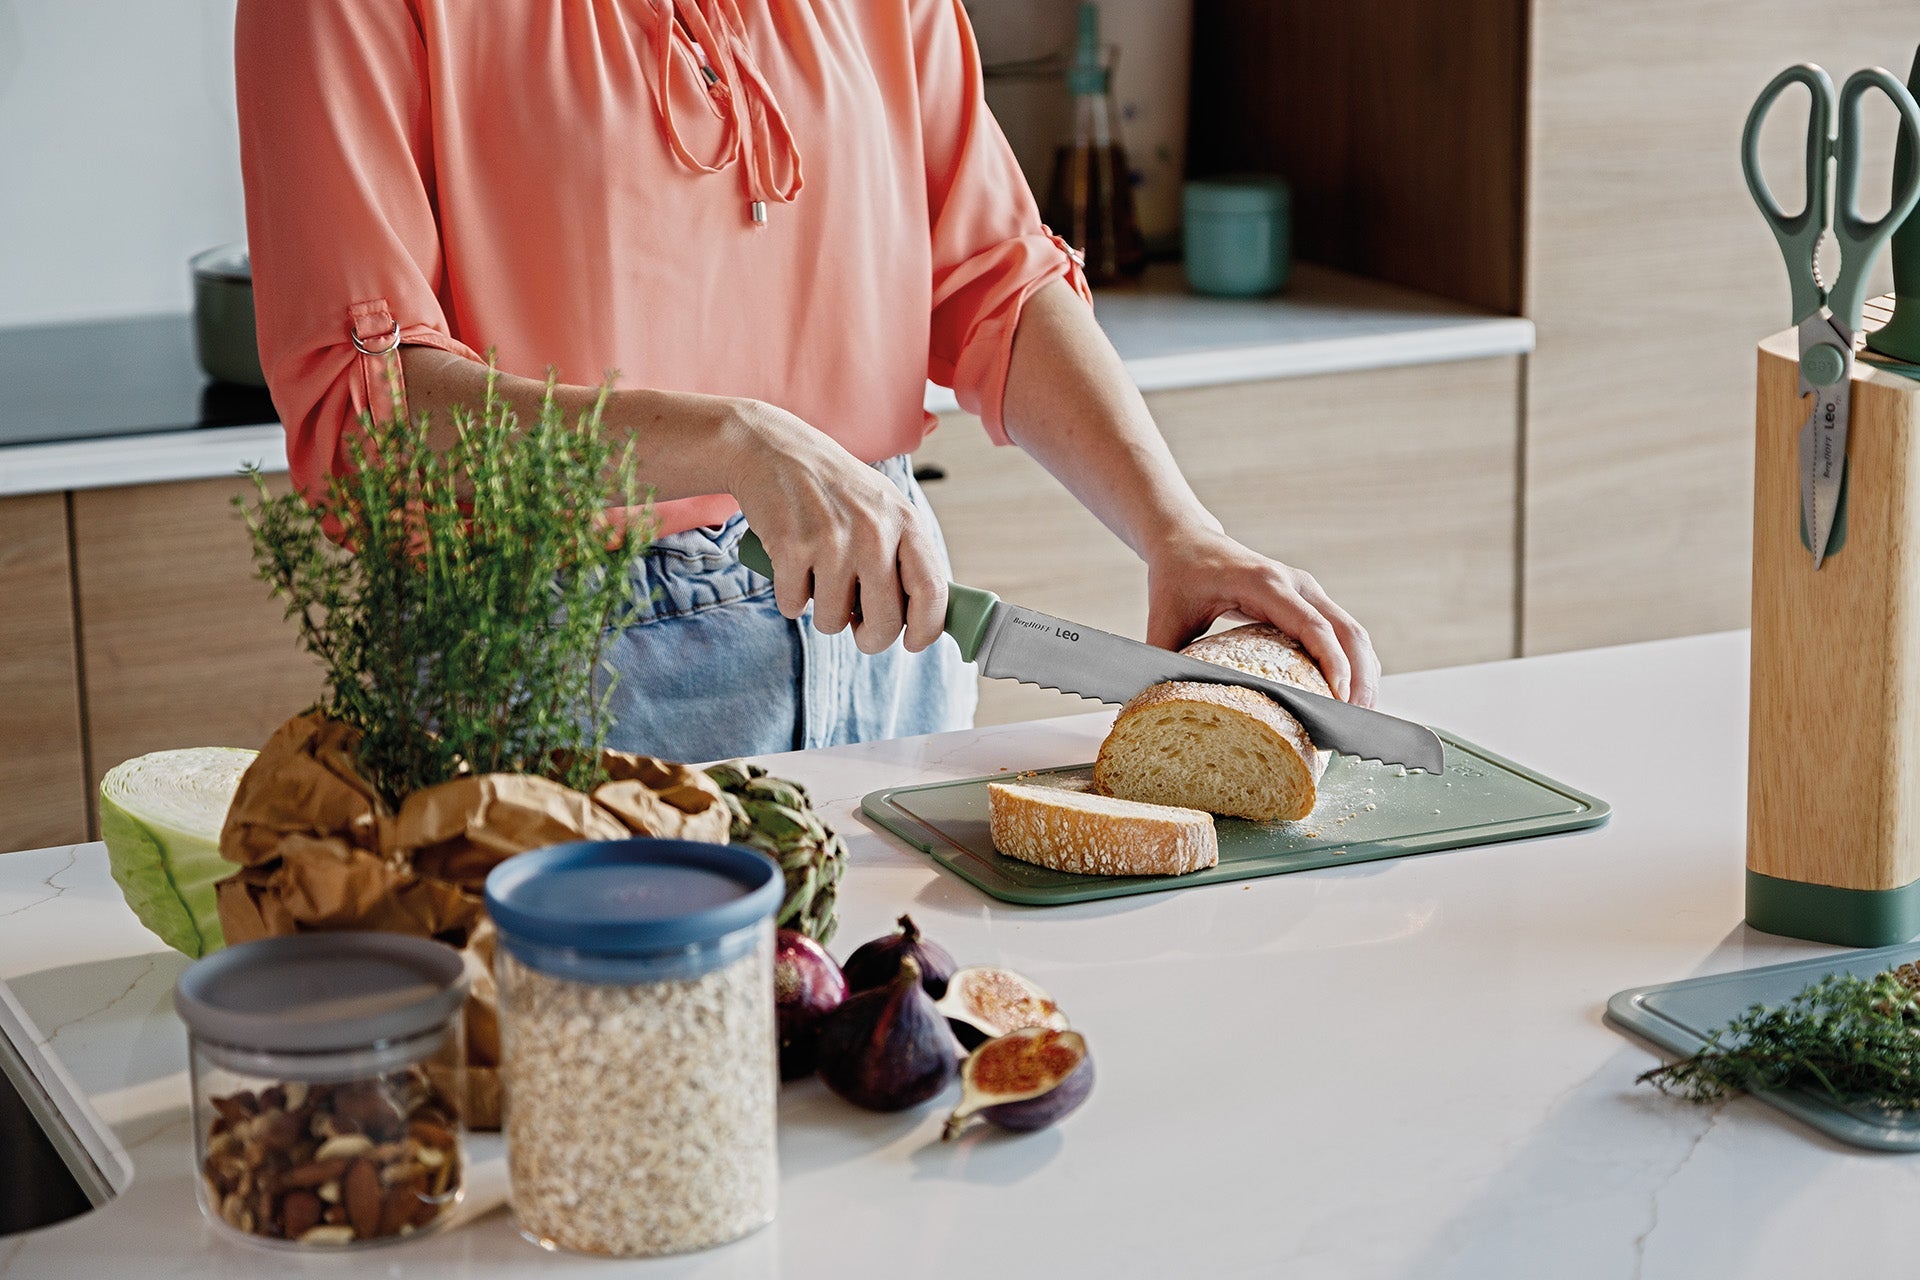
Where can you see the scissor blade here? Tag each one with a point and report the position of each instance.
(1823, 438)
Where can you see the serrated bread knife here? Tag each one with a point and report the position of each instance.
(1014, 643)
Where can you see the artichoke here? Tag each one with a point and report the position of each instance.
(775, 816)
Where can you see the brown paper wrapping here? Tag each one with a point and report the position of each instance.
(319, 850)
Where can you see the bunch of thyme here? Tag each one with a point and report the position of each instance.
(1854, 1039)
(458, 600)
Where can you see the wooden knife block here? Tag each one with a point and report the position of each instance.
(1833, 782)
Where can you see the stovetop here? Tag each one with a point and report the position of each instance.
(114, 378)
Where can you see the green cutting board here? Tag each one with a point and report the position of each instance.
(1366, 812)
(1679, 1016)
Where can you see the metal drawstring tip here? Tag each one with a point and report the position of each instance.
(759, 211)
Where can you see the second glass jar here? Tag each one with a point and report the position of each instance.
(638, 1044)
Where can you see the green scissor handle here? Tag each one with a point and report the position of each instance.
(968, 608)
(1860, 240)
(1799, 233)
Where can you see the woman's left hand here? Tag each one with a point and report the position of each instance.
(1199, 576)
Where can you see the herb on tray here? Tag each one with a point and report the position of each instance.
(1853, 1039)
(458, 600)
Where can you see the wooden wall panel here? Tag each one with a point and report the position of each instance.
(1650, 278)
(183, 646)
(1405, 509)
(1400, 123)
(43, 774)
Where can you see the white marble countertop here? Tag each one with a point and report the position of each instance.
(1326, 322)
(1396, 1069)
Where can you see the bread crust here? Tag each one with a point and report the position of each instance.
(1087, 834)
(1257, 649)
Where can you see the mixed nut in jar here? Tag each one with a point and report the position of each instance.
(326, 1085)
(638, 1046)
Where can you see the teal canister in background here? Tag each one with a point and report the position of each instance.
(1238, 235)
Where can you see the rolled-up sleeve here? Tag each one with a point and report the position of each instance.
(336, 155)
(990, 250)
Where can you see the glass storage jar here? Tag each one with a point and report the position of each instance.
(637, 1043)
(326, 1084)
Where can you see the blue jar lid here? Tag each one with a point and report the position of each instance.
(632, 897)
(1236, 193)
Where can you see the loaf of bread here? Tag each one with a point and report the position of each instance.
(1095, 835)
(1218, 747)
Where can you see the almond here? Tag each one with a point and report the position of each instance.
(313, 1173)
(360, 1192)
(424, 1211)
(396, 1209)
(429, 1134)
(299, 1213)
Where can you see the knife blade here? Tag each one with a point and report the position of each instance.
(1012, 642)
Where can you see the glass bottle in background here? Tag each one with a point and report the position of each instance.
(1090, 201)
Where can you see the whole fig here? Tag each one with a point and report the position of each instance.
(1024, 1080)
(807, 986)
(875, 963)
(888, 1049)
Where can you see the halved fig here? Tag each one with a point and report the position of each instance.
(983, 1002)
(1024, 1080)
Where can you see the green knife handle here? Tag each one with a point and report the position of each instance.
(754, 555)
(1799, 233)
(1860, 240)
(1901, 336)
(969, 609)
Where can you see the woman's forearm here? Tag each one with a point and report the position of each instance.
(838, 532)
(686, 445)
(1071, 405)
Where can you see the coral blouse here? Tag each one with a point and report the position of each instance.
(806, 202)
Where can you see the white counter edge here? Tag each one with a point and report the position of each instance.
(223, 451)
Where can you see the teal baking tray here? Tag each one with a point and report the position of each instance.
(1677, 1016)
(1366, 812)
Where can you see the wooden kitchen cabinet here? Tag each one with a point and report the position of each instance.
(182, 645)
(43, 768)
(1577, 163)
(1396, 488)
(1650, 276)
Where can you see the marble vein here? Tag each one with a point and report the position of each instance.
(72, 852)
(1660, 1188)
(146, 972)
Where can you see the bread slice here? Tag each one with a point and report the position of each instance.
(1095, 835)
(1217, 747)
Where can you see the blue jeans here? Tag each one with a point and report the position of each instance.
(709, 669)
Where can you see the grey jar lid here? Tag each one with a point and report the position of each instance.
(321, 992)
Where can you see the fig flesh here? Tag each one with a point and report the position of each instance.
(889, 1048)
(807, 986)
(984, 1002)
(1024, 1080)
(875, 963)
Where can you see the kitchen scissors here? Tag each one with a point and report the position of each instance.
(1828, 317)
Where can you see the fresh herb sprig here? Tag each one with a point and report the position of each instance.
(458, 600)
(1853, 1039)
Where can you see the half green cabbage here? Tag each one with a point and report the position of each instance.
(160, 816)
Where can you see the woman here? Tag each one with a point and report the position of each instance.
(775, 219)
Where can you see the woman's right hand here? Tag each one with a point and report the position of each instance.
(838, 532)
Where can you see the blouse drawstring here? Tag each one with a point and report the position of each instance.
(757, 137)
